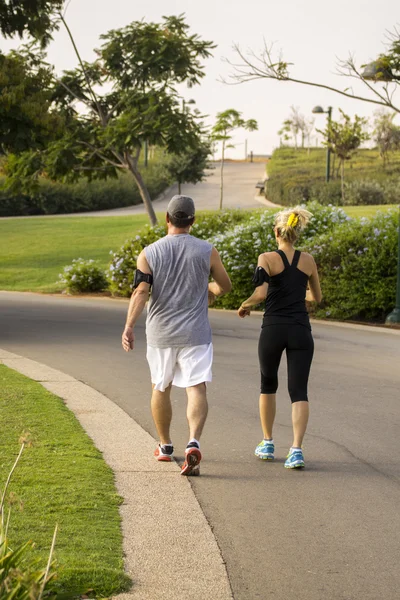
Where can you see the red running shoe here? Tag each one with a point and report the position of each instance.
(191, 466)
(164, 453)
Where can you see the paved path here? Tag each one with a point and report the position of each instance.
(330, 532)
(239, 192)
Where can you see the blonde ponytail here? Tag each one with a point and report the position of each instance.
(291, 222)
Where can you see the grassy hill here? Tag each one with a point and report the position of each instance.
(299, 175)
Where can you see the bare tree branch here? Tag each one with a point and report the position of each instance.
(91, 91)
(253, 67)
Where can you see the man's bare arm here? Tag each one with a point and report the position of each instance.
(136, 305)
(221, 284)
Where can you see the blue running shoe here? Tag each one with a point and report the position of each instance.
(265, 450)
(295, 459)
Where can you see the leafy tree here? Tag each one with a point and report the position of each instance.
(189, 166)
(386, 134)
(29, 17)
(285, 131)
(343, 138)
(384, 71)
(27, 120)
(112, 106)
(226, 123)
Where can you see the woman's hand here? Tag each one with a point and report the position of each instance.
(243, 312)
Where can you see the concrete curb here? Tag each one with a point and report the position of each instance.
(170, 550)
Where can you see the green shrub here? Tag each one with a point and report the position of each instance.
(327, 193)
(358, 265)
(123, 262)
(239, 236)
(83, 276)
(58, 198)
(240, 247)
(364, 192)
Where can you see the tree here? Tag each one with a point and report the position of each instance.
(285, 131)
(343, 138)
(386, 134)
(119, 102)
(190, 165)
(385, 71)
(29, 17)
(295, 124)
(226, 123)
(27, 120)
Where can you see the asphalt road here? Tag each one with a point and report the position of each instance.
(329, 532)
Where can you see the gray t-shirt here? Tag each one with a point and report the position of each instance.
(177, 314)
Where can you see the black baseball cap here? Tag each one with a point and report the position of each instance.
(181, 207)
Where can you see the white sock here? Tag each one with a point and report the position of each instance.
(193, 440)
(294, 448)
(271, 441)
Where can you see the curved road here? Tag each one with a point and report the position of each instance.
(328, 532)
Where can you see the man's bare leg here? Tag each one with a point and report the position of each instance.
(161, 410)
(197, 409)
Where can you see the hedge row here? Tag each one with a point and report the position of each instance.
(289, 192)
(356, 258)
(297, 176)
(83, 196)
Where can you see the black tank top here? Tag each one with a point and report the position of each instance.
(286, 297)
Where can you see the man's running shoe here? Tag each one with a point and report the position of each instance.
(164, 453)
(265, 450)
(295, 459)
(191, 466)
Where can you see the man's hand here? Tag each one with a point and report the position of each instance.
(243, 312)
(128, 339)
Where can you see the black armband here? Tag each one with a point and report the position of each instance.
(141, 277)
(260, 276)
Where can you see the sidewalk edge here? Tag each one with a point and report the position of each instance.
(158, 502)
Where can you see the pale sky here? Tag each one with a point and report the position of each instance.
(311, 34)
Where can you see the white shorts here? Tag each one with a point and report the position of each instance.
(184, 367)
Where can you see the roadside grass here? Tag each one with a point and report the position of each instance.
(33, 251)
(62, 478)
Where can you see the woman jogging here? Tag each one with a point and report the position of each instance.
(282, 278)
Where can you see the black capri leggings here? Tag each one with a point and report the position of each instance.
(298, 342)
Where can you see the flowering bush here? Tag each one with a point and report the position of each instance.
(123, 262)
(239, 247)
(357, 266)
(83, 276)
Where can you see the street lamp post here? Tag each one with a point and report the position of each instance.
(378, 71)
(318, 110)
(394, 316)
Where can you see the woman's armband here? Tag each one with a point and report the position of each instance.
(260, 276)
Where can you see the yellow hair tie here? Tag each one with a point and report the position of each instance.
(293, 220)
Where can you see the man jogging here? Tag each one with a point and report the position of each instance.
(177, 268)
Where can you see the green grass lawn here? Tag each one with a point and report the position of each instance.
(62, 478)
(366, 211)
(33, 251)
